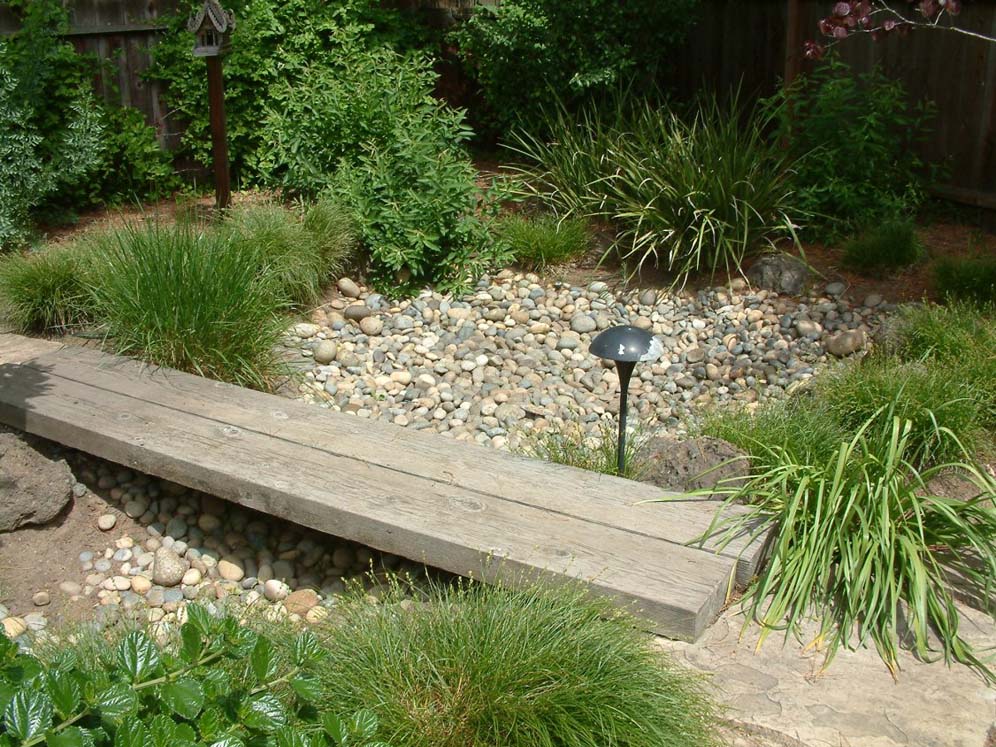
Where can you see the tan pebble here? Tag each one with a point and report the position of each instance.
(41, 598)
(14, 626)
(106, 522)
(125, 543)
(140, 584)
(316, 614)
(156, 614)
(121, 583)
(191, 577)
(230, 570)
(300, 601)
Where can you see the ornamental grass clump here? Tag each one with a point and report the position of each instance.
(185, 297)
(480, 666)
(689, 194)
(45, 291)
(864, 542)
(542, 240)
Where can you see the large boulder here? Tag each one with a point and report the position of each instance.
(33, 488)
(695, 464)
(782, 273)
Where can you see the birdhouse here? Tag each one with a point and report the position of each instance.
(211, 28)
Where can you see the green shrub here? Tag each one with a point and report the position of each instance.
(888, 245)
(967, 279)
(303, 254)
(536, 241)
(521, 51)
(687, 194)
(45, 291)
(861, 541)
(480, 666)
(215, 683)
(187, 298)
(596, 452)
(855, 137)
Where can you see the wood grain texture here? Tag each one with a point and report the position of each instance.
(456, 506)
(603, 499)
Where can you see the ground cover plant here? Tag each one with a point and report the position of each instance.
(690, 194)
(597, 451)
(218, 682)
(537, 241)
(848, 476)
(854, 137)
(478, 666)
(889, 245)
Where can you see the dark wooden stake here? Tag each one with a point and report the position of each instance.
(219, 138)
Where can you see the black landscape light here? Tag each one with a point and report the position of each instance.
(625, 345)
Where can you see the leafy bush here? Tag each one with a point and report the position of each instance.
(217, 683)
(480, 666)
(184, 297)
(44, 291)
(536, 241)
(967, 279)
(521, 51)
(331, 108)
(689, 194)
(855, 137)
(596, 452)
(862, 540)
(886, 246)
(302, 253)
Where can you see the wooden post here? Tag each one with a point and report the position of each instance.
(219, 138)
(793, 42)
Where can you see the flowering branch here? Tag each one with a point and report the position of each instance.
(880, 18)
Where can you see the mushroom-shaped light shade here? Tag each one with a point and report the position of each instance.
(626, 344)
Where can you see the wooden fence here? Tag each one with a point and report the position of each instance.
(735, 42)
(120, 33)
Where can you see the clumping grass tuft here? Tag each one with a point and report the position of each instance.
(44, 291)
(862, 541)
(887, 246)
(542, 240)
(184, 297)
(302, 254)
(596, 452)
(483, 666)
(971, 280)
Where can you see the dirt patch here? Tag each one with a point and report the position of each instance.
(34, 559)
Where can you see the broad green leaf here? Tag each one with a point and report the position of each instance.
(363, 725)
(290, 737)
(132, 733)
(307, 649)
(163, 731)
(192, 643)
(64, 691)
(28, 714)
(7, 692)
(307, 687)
(263, 661)
(185, 732)
(116, 701)
(8, 649)
(211, 724)
(200, 619)
(336, 728)
(241, 641)
(71, 736)
(216, 683)
(264, 713)
(138, 656)
(228, 742)
(185, 697)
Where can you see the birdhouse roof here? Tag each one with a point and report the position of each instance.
(212, 11)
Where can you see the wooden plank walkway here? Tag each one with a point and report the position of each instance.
(457, 506)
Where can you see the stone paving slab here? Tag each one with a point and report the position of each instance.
(782, 694)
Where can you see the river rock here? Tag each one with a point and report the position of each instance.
(300, 601)
(348, 288)
(34, 489)
(325, 352)
(782, 273)
(168, 567)
(846, 343)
